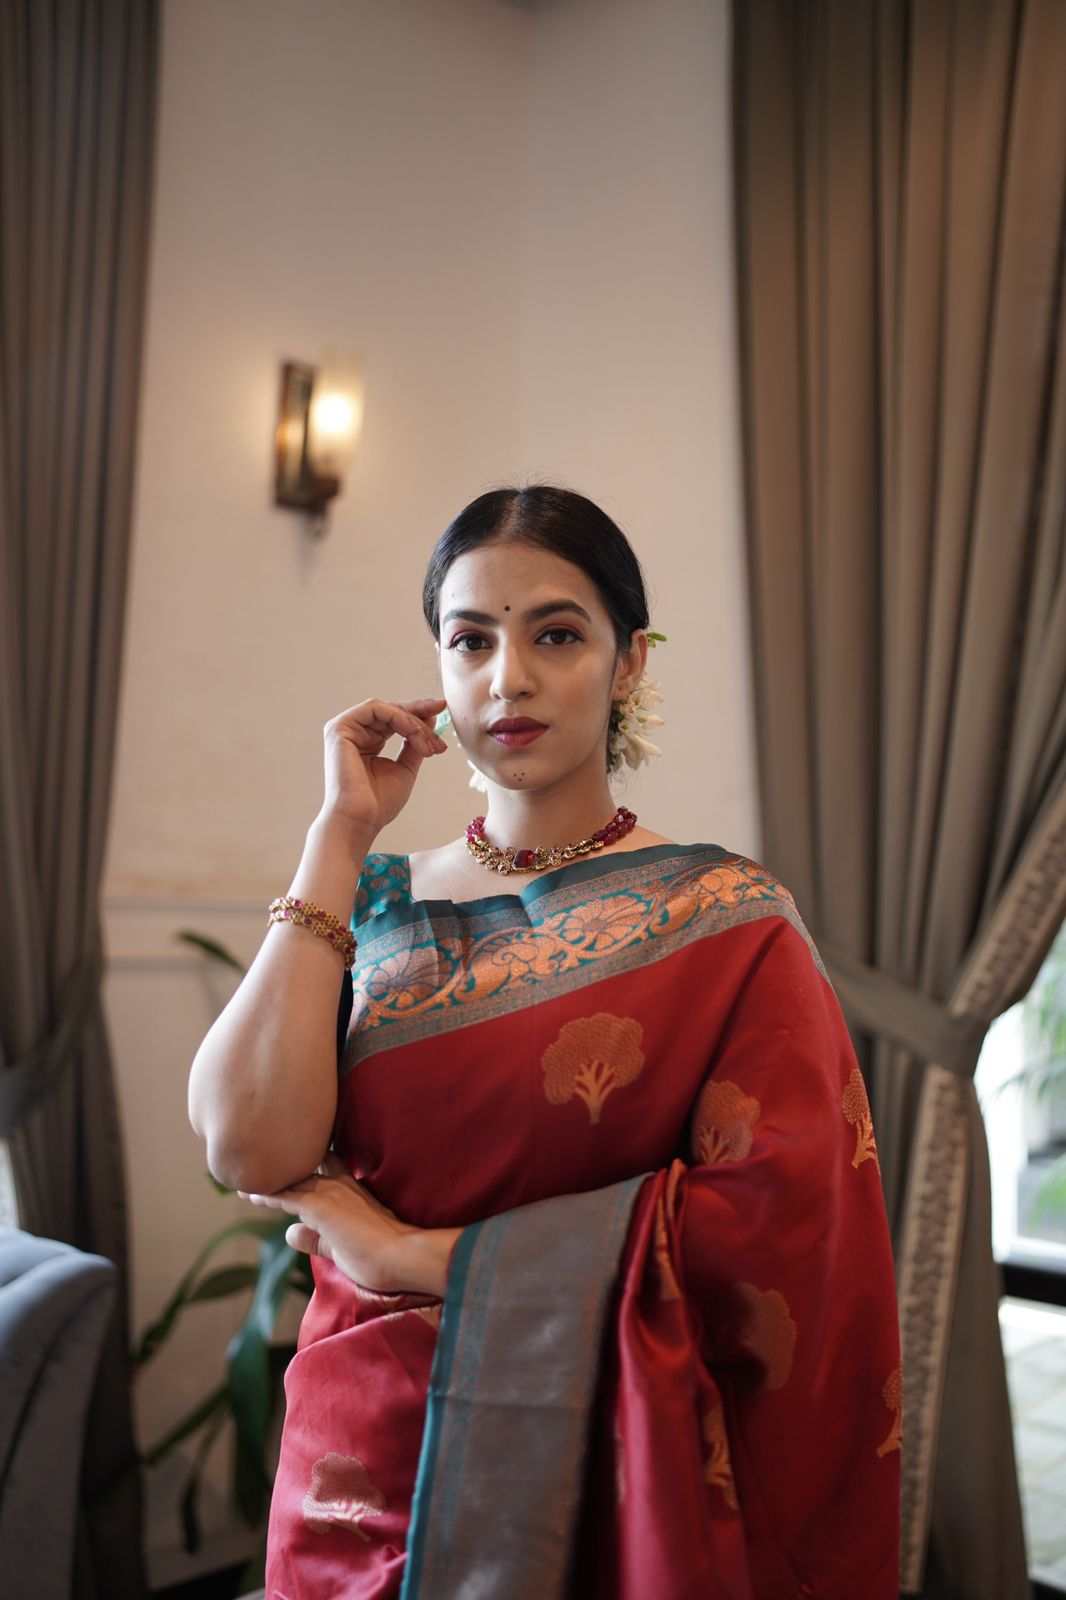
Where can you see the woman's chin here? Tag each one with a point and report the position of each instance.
(514, 776)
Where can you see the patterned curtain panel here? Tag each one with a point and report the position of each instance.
(77, 96)
(901, 231)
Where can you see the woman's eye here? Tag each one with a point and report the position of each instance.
(560, 635)
(468, 643)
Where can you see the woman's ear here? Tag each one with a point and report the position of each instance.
(631, 664)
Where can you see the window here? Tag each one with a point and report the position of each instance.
(9, 1210)
(1021, 1082)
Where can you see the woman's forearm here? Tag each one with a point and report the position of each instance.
(263, 1086)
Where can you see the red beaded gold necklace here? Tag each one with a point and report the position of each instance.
(535, 860)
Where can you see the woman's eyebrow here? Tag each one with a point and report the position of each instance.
(536, 614)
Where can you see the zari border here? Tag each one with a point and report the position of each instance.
(1002, 965)
(420, 974)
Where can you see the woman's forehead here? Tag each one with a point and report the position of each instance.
(509, 574)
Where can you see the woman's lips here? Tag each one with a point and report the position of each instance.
(516, 735)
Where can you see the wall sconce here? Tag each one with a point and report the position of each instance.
(320, 417)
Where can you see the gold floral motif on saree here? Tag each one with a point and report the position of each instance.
(406, 980)
(856, 1107)
(599, 926)
(591, 1058)
(723, 1124)
(892, 1395)
(768, 1332)
(341, 1495)
(718, 1468)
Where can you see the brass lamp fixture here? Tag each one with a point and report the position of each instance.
(320, 416)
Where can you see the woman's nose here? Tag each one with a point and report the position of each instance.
(512, 675)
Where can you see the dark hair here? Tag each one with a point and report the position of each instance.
(552, 519)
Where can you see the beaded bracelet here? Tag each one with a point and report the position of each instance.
(309, 915)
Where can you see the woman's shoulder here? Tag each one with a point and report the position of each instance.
(733, 890)
(728, 879)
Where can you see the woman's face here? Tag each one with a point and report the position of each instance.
(529, 664)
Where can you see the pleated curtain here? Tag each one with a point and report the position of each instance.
(77, 97)
(900, 182)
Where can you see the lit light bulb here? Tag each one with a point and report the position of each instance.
(335, 419)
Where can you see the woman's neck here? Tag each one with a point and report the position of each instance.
(560, 815)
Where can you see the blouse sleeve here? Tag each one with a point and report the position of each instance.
(375, 890)
(383, 882)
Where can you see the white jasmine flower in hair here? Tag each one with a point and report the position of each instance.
(630, 718)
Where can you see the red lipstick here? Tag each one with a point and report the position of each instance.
(517, 732)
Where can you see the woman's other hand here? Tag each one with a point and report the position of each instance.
(341, 1220)
(364, 788)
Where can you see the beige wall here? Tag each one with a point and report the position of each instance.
(519, 215)
(349, 174)
(629, 372)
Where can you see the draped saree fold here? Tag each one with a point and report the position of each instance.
(668, 1359)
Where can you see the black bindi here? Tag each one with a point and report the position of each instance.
(507, 608)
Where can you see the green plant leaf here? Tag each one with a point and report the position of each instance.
(280, 1356)
(189, 1510)
(251, 1485)
(194, 1419)
(252, 1388)
(157, 1333)
(302, 1278)
(210, 947)
(224, 1281)
(299, 1285)
(189, 1506)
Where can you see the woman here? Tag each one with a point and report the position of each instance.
(604, 1301)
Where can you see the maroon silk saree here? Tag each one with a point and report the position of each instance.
(668, 1361)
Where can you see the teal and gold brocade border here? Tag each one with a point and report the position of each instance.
(427, 967)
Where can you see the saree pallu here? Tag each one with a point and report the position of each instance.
(669, 1332)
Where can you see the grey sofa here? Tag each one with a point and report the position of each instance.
(55, 1305)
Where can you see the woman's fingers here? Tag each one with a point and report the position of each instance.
(363, 783)
(327, 1191)
(298, 1236)
(370, 724)
(290, 1200)
(427, 711)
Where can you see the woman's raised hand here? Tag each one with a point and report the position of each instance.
(364, 788)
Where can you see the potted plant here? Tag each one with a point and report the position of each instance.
(249, 1395)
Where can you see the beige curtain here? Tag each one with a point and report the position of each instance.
(77, 92)
(901, 230)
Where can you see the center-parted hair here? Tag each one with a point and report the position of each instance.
(558, 520)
